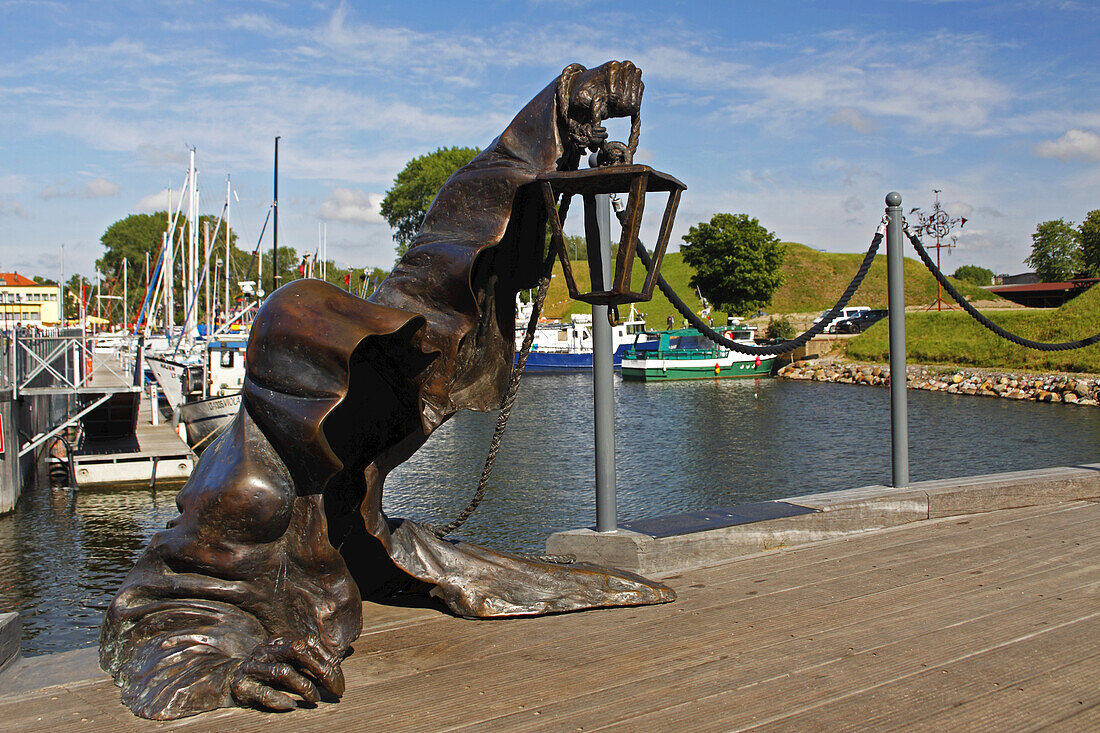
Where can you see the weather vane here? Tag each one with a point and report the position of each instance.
(939, 225)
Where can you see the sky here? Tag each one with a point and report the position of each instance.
(801, 114)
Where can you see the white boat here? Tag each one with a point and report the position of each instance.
(560, 346)
(204, 394)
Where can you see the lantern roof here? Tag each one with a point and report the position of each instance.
(610, 179)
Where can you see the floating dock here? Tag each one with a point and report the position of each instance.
(155, 453)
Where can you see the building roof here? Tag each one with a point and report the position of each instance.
(1044, 295)
(1079, 284)
(15, 279)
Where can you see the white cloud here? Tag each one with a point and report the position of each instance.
(853, 118)
(100, 187)
(159, 201)
(1075, 144)
(96, 188)
(347, 204)
(13, 208)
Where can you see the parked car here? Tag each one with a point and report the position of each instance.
(859, 322)
(845, 313)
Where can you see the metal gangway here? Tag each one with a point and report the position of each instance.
(85, 369)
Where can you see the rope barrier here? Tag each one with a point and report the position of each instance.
(976, 314)
(771, 349)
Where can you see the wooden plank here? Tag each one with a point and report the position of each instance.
(835, 626)
(942, 696)
(612, 660)
(708, 683)
(1057, 693)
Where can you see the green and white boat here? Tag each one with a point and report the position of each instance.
(685, 353)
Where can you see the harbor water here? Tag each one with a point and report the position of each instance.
(681, 446)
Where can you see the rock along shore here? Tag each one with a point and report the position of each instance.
(1037, 388)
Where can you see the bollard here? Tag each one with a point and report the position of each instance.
(899, 407)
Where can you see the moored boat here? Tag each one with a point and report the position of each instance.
(564, 347)
(686, 353)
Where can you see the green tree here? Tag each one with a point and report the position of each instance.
(737, 262)
(415, 187)
(974, 274)
(1088, 235)
(1054, 251)
(139, 234)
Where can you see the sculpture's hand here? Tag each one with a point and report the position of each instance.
(282, 666)
(611, 90)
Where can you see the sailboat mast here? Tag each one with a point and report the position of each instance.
(169, 319)
(228, 205)
(275, 224)
(193, 247)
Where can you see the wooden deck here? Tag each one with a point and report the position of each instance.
(984, 622)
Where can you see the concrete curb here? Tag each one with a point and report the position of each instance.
(836, 513)
(11, 629)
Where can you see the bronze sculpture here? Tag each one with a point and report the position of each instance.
(253, 594)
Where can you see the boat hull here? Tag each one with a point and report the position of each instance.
(549, 361)
(665, 370)
(203, 419)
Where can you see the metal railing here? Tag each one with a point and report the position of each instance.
(35, 364)
(67, 364)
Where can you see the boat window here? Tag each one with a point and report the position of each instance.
(689, 342)
(227, 359)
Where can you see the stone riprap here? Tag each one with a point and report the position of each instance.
(1037, 388)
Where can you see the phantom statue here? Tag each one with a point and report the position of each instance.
(252, 595)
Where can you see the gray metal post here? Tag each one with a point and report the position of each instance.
(899, 407)
(603, 379)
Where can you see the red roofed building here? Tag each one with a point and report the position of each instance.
(25, 302)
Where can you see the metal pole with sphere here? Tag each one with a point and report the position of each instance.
(899, 408)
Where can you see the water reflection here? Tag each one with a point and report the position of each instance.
(681, 446)
(64, 553)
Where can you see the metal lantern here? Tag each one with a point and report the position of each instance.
(635, 181)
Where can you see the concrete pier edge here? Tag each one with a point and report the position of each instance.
(833, 514)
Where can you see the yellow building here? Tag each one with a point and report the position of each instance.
(23, 301)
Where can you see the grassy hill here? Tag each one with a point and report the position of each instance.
(954, 338)
(812, 282)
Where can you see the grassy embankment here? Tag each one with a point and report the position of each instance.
(954, 338)
(812, 282)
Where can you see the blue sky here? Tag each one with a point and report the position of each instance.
(803, 114)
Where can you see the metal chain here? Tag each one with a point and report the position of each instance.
(772, 349)
(506, 409)
(976, 314)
